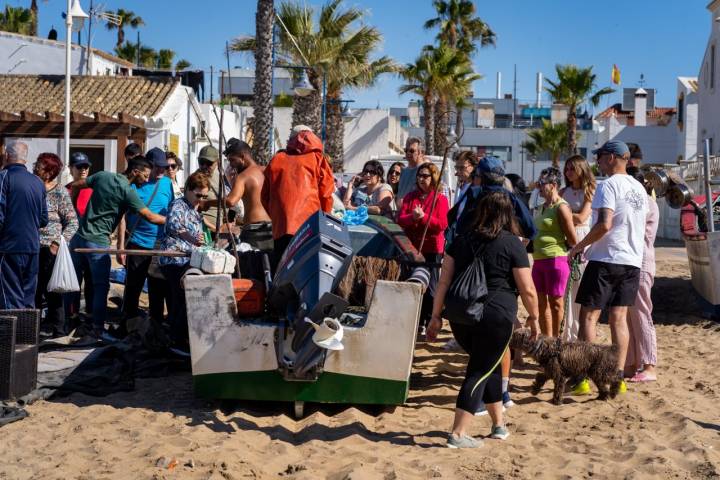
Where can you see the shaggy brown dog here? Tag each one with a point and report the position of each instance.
(563, 360)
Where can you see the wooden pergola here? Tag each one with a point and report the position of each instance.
(122, 128)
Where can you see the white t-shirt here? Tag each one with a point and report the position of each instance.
(625, 242)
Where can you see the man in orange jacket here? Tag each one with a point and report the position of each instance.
(298, 182)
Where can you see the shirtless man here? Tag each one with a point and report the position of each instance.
(257, 230)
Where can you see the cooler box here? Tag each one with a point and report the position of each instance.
(250, 297)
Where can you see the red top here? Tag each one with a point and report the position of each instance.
(298, 182)
(82, 200)
(435, 238)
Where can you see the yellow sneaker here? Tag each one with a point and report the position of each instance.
(623, 387)
(582, 387)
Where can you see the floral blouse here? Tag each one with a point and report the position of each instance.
(181, 217)
(62, 220)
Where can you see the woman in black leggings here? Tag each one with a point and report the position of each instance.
(507, 271)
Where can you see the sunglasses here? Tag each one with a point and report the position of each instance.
(205, 163)
(82, 167)
(369, 171)
(172, 166)
(201, 196)
(423, 175)
(394, 172)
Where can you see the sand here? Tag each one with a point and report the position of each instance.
(669, 429)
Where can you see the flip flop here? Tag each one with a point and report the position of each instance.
(641, 377)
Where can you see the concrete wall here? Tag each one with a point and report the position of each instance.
(658, 144)
(21, 54)
(365, 136)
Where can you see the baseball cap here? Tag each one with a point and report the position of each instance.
(489, 165)
(79, 158)
(613, 146)
(209, 153)
(157, 157)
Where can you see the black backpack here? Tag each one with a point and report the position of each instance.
(465, 299)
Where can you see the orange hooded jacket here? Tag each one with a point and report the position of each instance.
(298, 183)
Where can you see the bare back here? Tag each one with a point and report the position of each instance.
(247, 187)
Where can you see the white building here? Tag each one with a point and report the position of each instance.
(709, 86)
(108, 112)
(27, 55)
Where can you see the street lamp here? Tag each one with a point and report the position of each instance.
(74, 21)
(302, 86)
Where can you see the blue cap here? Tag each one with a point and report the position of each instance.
(613, 146)
(79, 158)
(157, 157)
(489, 165)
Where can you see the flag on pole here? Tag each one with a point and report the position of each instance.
(615, 76)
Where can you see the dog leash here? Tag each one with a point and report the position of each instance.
(574, 276)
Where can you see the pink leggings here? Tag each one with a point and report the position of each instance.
(642, 348)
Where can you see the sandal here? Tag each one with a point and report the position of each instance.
(641, 378)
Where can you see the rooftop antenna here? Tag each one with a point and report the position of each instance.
(642, 81)
(98, 12)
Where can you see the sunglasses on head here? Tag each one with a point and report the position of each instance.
(423, 175)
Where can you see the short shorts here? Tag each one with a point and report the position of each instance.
(608, 285)
(550, 276)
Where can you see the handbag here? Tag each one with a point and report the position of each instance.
(465, 299)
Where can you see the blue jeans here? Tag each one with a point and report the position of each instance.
(99, 266)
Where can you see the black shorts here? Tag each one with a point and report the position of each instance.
(608, 285)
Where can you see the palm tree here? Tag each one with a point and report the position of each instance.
(148, 57)
(459, 27)
(165, 58)
(127, 18)
(182, 64)
(34, 11)
(16, 20)
(262, 90)
(127, 51)
(439, 72)
(575, 86)
(336, 50)
(549, 139)
(462, 30)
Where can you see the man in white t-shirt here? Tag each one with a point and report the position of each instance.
(614, 249)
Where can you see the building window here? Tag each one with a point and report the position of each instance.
(681, 110)
(712, 66)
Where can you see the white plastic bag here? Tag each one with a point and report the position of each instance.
(63, 278)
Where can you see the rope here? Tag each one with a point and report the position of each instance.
(574, 276)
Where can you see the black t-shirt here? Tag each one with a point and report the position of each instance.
(500, 256)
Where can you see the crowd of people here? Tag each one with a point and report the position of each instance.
(591, 242)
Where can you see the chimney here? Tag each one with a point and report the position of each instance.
(498, 88)
(640, 107)
(538, 101)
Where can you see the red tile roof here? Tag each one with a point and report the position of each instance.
(659, 113)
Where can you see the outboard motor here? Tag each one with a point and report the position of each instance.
(313, 264)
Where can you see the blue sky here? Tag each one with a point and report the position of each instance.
(661, 38)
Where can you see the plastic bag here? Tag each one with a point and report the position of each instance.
(356, 217)
(63, 278)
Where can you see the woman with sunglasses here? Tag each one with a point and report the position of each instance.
(369, 189)
(556, 233)
(174, 166)
(183, 233)
(393, 176)
(416, 215)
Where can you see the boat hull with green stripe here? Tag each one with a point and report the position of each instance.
(235, 358)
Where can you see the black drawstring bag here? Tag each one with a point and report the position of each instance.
(465, 299)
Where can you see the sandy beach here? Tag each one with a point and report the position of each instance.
(667, 429)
